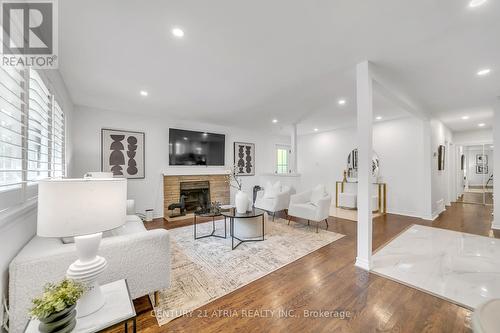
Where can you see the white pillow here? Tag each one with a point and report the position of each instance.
(317, 194)
(272, 190)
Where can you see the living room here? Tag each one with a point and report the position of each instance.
(256, 166)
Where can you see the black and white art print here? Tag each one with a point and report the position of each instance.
(244, 158)
(122, 153)
(482, 169)
(482, 159)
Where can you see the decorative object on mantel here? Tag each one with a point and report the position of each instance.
(441, 157)
(123, 153)
(241, 199)
(55, 309)
(244, 158)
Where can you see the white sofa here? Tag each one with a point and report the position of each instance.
(273, 201)
(133, 253)
(313, 205)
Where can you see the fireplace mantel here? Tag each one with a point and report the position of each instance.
(195, 171)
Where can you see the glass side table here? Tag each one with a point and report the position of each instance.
(117, 310)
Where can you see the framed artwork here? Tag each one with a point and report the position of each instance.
(482, 159)
(482, 169)
(462, 162)
(244, 158)
(123, 153)
(441, 157)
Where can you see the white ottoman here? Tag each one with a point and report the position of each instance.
(348, 200)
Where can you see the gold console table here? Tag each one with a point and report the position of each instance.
(382, 194)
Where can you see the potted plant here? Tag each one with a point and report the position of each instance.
(55, 309)
(241, 198)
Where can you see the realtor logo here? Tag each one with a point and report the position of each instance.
(29, 35)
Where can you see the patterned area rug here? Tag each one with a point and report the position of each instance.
(206, 269)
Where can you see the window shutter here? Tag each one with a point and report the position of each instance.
(58, 140)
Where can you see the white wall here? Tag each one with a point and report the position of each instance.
(18, 225)
(441, 185)
(473, 178)
(148, 192)
(322, 158)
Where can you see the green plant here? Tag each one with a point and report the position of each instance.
(57, 297)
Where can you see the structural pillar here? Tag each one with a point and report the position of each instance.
(496, 166)
(293, 149)
(364, 98)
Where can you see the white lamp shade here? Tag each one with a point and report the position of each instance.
(76, 207)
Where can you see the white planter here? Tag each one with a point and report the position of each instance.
(241, 202)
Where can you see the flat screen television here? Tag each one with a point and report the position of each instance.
(196, 148)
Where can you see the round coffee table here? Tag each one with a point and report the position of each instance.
(249, 229)
(213, 215)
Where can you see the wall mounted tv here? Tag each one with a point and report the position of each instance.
(196, 148)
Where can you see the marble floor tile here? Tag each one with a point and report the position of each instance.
(462, 268)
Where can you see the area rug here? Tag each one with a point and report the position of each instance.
(458, 267)
(206, 269)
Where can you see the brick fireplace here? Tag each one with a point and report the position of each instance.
(198, 189)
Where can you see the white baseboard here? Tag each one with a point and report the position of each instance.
(363, 264)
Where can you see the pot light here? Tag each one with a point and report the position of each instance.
(341, 101)
(465, 117)
(143, 93)
(315, 130)
(378, 118)
(483, 72)
(476, 3)
(178, 32)
(275, 121)
(481, 124)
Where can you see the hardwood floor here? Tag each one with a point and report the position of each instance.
(327, 280)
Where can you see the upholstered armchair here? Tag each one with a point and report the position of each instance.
(273, 201)
(313, 205)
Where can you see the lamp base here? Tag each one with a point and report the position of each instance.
(87, 270)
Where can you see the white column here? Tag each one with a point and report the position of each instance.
(426, 189)
(293, 149)
(496, 166)
(364, 92)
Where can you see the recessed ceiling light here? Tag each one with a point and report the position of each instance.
(144, 93)
(185, 138)
(315, 130)
(178, 32)
(341, 101)
(465, 117)
(481, 124)
(275, 121)
(378, 117)
(476, 3)
(483, 72)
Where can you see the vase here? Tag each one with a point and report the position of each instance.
(241, 202)
(63, 321)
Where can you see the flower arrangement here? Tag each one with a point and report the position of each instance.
(233, 179)
(56, 298)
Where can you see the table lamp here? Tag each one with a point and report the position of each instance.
(82, 208)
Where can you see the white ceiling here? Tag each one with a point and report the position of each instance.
(246, 62)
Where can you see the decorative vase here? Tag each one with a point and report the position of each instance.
(241, 202)
(63, 321)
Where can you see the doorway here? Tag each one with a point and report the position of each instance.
(476, 174)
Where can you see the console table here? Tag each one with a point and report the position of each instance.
(382, 194)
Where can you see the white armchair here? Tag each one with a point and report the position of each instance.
(275, 202)
(313, 205)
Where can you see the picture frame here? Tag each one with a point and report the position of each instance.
(123, 153)
(244, 158)
(481, 169)
(481, 159)
(441, 157)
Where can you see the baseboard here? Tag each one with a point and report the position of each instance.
(363, 264)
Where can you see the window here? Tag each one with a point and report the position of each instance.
(282, 159)
(32, 135)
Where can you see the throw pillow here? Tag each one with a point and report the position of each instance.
(272, 190)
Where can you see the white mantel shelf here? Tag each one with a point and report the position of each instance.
(194, 171)
(280, 174)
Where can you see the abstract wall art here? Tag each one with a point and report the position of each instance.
(244, 158)
(441, 157)
(122, 152)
